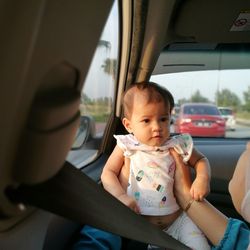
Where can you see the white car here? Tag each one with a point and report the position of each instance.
(228, 115)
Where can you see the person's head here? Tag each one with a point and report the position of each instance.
(147, 110)
(239, 186)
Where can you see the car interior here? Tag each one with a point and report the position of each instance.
(65, 65)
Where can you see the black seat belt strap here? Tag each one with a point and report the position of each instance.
(74, 195)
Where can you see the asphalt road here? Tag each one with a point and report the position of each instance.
(241, 131)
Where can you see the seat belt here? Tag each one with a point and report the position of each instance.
(74, 195)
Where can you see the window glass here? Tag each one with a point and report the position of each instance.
(225, 111)
(228, 90)
(97, 95)
(200, 110)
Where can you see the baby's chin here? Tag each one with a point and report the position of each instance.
(157, 142)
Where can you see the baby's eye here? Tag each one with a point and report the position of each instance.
(164, 119)
(145, 120)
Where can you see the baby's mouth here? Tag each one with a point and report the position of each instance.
(157, 136)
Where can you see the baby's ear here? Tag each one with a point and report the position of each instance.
(126, 124)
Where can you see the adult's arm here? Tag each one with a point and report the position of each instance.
(210, 220)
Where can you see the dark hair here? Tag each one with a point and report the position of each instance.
(152, 92)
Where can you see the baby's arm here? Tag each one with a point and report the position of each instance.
(111, 182)
(201, 185)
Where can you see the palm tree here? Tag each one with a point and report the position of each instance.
(104, 43)
(109, 67)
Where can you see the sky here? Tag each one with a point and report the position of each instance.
(185, 84)
(96, 74)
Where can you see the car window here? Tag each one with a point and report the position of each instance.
(225, 111)
(200, 110)
(97, 102)
(228, 89)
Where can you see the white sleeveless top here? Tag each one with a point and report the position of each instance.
(152, 170)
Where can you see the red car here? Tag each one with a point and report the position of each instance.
(200, 119)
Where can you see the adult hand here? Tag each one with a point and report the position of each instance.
(202, 213)
(182, 181)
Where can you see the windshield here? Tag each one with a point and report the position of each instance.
(223, 88)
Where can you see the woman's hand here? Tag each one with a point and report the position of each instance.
(182, 183)
(202, 213)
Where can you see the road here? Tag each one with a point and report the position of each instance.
(241, 131)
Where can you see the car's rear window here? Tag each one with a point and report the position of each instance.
(200, 110)
(226, 111)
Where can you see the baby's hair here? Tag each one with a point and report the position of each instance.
(152, 93)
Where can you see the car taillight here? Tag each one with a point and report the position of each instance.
(185, 120)
(221, 122)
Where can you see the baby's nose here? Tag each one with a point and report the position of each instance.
(156, 126)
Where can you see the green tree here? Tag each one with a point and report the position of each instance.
(85, 99)
(226, 98)
(104, 43)
(110, 66)
(182, 101)
(197, 97)
(246, 96)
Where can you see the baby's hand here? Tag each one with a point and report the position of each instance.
(129, 202)
(200, 188)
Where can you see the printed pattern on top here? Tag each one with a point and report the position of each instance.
(152, 170)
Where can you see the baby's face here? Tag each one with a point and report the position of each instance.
(149, 122)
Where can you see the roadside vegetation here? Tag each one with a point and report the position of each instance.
(225, 98)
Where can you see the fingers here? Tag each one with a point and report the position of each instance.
(196, 195)
(199, 189)
(136, 209)
(132, 204)
(201, 197)
(176, 157)
(182, 173)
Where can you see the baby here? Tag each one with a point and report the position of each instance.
(140, 170)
